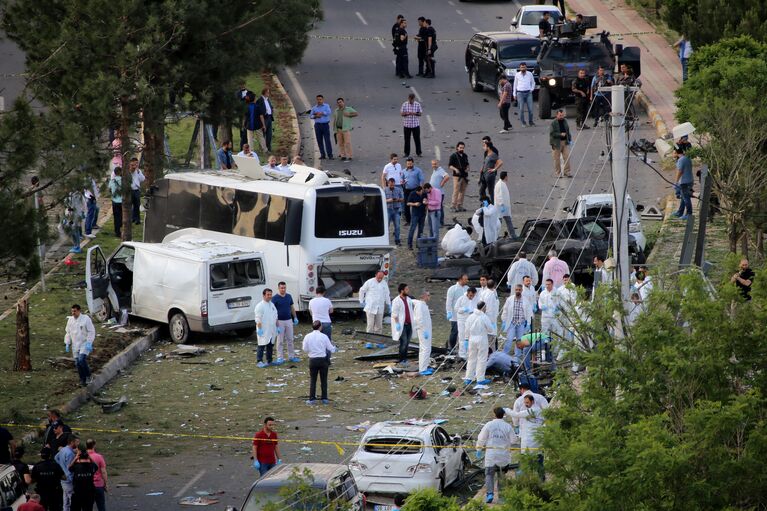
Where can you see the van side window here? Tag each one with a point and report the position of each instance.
(236, 274)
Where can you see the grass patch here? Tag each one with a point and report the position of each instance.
(26, 395)
(283, 137)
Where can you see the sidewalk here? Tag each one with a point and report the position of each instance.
(661, 71)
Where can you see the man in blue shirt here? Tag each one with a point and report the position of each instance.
(224, 156)
(395, 198)
(321, 115)
(286, 318)
(683, 184)
(64, 458)
(416, 202)
(413, 177)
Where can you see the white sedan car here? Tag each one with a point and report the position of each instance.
(528, 17)
(396, 457)
(601, 205)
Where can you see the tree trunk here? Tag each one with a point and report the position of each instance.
(732, 235)
(744, 243)
(760, 243)
(23, 360)
(154, 140)
(127, 153)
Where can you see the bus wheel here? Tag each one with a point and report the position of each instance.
(179, 328)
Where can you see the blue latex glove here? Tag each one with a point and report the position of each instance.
(280, 329)
(478, 454)
(485, 203)
(503, 209)
(89, 347)
(66, 348)
(449, 315)
(256, 464)
(398, 327)
(295, 320)
(363, 304)
(544, 308)
(503, 325)
(516, 429)
(466, 344)
(466, 310)
(426, 335)
(279, 462)
(260, 331)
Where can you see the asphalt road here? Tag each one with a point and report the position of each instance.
(350, 56)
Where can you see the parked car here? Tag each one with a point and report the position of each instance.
(528, 16)
(396, 457)
(491, 55)
(334, 481)
(600, 205)
(191, 283)
(576, 241)
(11, 488)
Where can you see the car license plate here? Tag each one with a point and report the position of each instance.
(381, 507)
(238, 304)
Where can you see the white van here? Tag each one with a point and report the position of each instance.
(193, 284)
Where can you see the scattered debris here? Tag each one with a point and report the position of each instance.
(187, 350)
(110, 405)
(340, 378)
(155, 493)
(197, 501)
(361, 427)
(465, 407)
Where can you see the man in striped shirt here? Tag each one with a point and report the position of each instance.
(411, 121)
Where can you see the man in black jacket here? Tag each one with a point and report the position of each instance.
(264, 117)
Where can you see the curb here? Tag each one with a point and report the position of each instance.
(111, 369)
(661, 129)
(293, 117)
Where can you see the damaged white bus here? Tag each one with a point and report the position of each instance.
(312, 228)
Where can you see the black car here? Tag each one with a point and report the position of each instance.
(576, 241)
(568, 50)
(490, 55)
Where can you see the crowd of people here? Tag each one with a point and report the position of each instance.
(70, 475)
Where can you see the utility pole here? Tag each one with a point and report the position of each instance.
(619, 158)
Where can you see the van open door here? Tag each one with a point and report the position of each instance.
(97, 285)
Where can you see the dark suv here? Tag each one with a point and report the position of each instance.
(490, 55)
(566, 51)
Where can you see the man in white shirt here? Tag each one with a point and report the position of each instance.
(547, 304)
(422, 318)
(402, 320)
(374, 298)
(316, 345)
(271, 165)
(137, 177)
(393, 170)
(439, 178)
(80, 334)
(453, 294)
(284, 166)
(246, 152)
(321, 308)
(567, 298)
(266, 328)
(503, 201)
(524, 84)
(601, 275)
(464, 305)
(519, 269)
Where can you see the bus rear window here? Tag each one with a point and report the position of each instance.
(349, 214)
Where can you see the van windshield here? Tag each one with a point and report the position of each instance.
(349, 213)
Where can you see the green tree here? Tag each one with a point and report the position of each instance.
(707, 21)
(723, 98)
(671, 415)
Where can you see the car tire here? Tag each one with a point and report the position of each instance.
(178, 327)
(475, 86)
(544, 103)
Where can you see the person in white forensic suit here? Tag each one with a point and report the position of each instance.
(461, 311)
(375, 298)
(491, 222)
(489, 295)
(519, 269)
(402, 319)
(530, 421)
(457, 242)
(478, 329)
(423, 328)
(266, 328)
(79, 335)
(548, 305)
(503, 202)
(496, 437)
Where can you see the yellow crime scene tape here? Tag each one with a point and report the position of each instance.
(337, 444)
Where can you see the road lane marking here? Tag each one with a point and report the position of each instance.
(359, 15)
(437, 154)
(417, 96)
(451, 2)
(475, 29)
(459, 12)
(189, 484)
(467, 21)
(381, 44)
(297, 87)
(431, 123)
